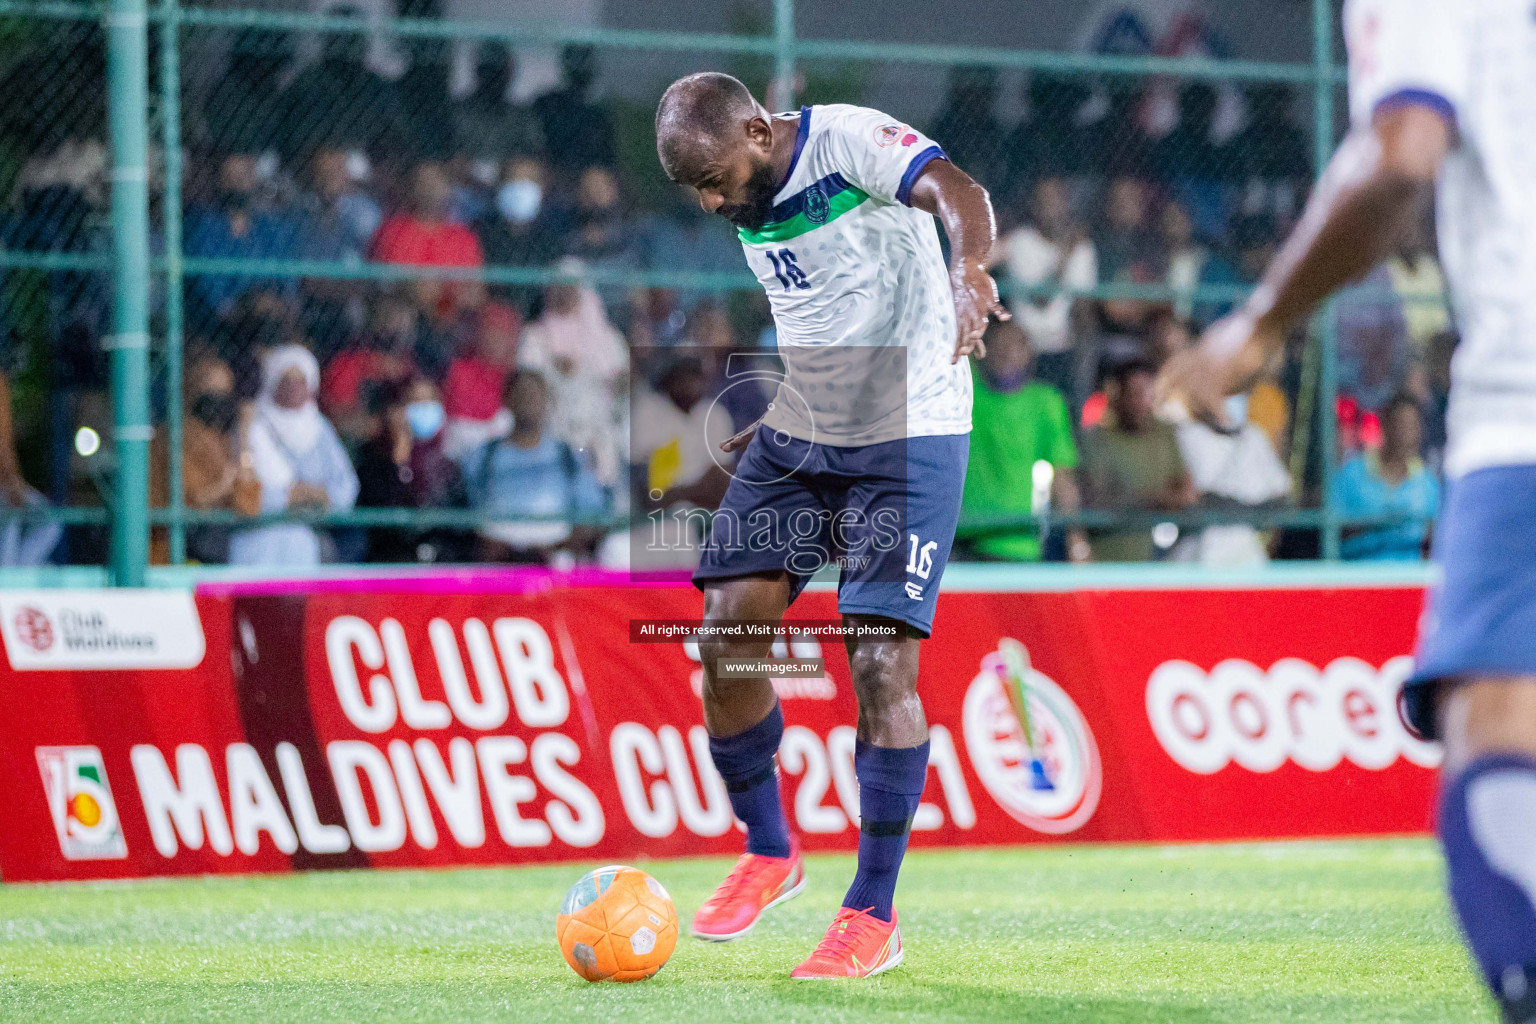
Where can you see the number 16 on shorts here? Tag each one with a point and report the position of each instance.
(919, 563)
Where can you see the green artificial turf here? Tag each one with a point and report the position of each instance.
(1328, 932)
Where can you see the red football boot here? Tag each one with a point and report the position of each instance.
(754, 884)
(858, 945)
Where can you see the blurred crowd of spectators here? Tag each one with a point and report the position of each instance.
(474, 390)
(1093, 211)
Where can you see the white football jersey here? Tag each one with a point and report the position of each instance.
(859, 287)
(1475, 61)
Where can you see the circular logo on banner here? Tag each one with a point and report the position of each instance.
(816, 208)
(34, 629)
(1042, 766)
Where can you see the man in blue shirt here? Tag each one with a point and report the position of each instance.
(236, 226)
(530, 486)
(1390, 481)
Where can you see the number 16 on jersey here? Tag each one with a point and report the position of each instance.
(787, 270)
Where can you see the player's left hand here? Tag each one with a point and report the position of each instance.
(976, 301)
(1227, 360)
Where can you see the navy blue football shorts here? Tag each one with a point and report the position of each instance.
(1481, 618)
(884, 513)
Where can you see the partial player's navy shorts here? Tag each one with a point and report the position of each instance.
(1481, 619)
(886, 513)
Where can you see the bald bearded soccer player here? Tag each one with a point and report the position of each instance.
(860, 461)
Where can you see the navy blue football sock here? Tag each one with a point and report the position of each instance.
(745, 762)
(890, 787)
(1488, 828)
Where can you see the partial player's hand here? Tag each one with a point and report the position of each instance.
(976, 301)
(737, 441)
(1226, 361)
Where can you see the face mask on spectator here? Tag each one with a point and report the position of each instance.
(483, 171)
(1009, 382)
(358, 168)
(217, 409)
(1237, 410)
(602, 216)
(234, 201)
(519, 200)
(425, 419)
(392, 341)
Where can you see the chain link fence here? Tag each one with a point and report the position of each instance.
(391, 196)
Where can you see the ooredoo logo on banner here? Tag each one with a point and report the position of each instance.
(1030, 745)
(1260, 719)
(100, 629)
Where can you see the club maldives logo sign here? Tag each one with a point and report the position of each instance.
(80, 801)
(100, 629)
(33, 628)
(1030, 745)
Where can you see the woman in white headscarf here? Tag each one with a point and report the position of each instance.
(297, 459)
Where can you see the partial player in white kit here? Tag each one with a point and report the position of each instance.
(860, 460)
(1443, 92)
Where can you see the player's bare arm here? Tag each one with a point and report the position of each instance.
(1374, 184)
(965, 210)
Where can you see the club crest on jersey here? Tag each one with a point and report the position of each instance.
(816, 208)
(887, 134)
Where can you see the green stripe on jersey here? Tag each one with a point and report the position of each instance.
(799, 224)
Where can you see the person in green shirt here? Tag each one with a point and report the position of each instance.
(1017, 422)
(1131, 462)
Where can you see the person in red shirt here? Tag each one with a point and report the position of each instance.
(353, 377)
(425, 237)
(473, 386)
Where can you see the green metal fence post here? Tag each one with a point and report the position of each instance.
(1322, 83)
(1322, 149)
(127, 84)
(1328, 427)
(783, 97)
(170, 108)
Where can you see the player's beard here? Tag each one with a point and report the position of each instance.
(761, 187)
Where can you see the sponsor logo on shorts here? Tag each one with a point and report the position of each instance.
(80, 802)
(1260, 719)
(1030, 745)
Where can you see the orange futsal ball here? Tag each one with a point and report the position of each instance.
(616, 924)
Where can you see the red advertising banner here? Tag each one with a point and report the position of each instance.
(273, 729)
